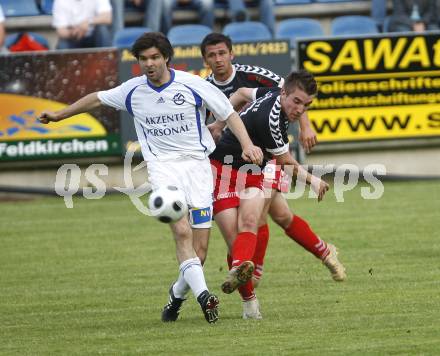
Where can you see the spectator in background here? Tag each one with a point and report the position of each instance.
(152, 10)
(413, 15)
(238, 11)
(2, 31)
(204, 7)
(379, 13)
(158, 13)
(82, 23)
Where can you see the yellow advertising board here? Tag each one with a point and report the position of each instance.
(374, 88)
(18, 120)
(368, 123)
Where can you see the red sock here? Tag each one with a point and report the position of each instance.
(243, 248)
(247, 291)
(300, 231)
(260, 250)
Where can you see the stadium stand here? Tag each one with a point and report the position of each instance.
(247, 31)
(349, 25)
(187, 34)
(299, 27)
(125, 37)
(41, 21)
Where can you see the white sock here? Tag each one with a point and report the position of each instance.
(180, 287)
(193, 275)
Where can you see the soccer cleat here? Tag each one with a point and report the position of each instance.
(171, 311)
(337, 270)
(238, 276)
(251, 309)
(209, 304)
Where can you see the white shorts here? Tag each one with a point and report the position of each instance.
(194, 178)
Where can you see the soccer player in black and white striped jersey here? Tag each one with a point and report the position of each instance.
(228, 77)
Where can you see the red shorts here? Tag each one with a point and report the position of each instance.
(228, 183)
(275, 178)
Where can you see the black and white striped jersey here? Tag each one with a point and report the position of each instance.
(247, 76)
(266, 125)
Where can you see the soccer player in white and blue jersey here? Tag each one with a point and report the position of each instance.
(169, 110)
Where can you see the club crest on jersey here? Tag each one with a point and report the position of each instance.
(178, 99)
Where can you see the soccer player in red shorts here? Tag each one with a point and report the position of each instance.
(229, 77)
(294, 226)
(266, 121)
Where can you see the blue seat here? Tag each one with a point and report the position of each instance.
(292, 2)
(247, 31)
(125, 37)
(46, 6)
(12, 8)
(298, 27)
(181, 35)
(353, 25)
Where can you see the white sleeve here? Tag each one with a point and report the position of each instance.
(60, 15)
(103, 6)
(2, 16)
(114, 97)
(214, 99)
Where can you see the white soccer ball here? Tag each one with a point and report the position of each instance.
(168, 204)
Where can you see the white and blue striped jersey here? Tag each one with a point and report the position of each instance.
(170, 119)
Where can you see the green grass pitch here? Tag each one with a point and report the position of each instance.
(93, 280)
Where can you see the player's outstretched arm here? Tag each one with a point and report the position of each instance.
(84, 104)
(241, 97)
(251, 152)
(216, 129)
(307, 136)
(293, 168)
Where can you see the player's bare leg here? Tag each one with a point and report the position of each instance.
(190, 277)
(251, 305)
(183, 237)
(200, 243)
(227, 223)
(299, 231)
(243, 249)
(262, 242)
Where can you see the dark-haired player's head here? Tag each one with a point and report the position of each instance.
(301, 79)
(217, 53)
(153, 51)
(153, 39)
(297, 94)
(213, 39)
